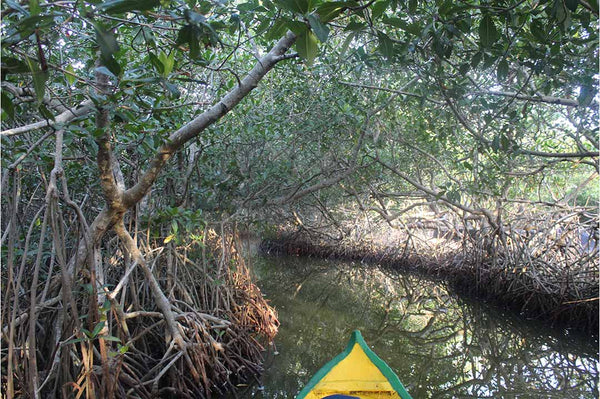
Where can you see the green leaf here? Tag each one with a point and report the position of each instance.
(122, 6)
(297, 27)
(184, 35)
(263, 26)
(278, 29)
(453, 196)
(442, 46)
(319, 29)
(414, 28)
(71, 75)
(488, 34)
(16, 6)
(354, 26)
(45, 112)
(34, 7)
(502, 71)
(504, 142)
(489, 60)
(106, 306)
(189, 34)
(298, 6)
(412, 6)
(168, 61)
(395, 22)
(39, 79)
(537, 30)
(306, 46)
(332, 9)
(7, 105)
(13, 65)
(112, 65)
(110, 338)
(97, 329)
(74, 341)
(496, 143)
(559, 11)
(386, 45)
(144, 36)
(572, 4)
(464, 24)
(346, 44)
(27, 26)
(379, 8)
(106, 40)
(156, 63)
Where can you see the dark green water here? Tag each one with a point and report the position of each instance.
(439, 345)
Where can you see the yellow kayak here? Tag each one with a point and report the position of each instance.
(357, 372)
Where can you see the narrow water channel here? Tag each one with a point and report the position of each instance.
(440, 346)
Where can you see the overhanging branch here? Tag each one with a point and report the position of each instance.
(536, 99)
(207, 118)
(481, 211)
(401, 92)
(70, 114)
(587, 154)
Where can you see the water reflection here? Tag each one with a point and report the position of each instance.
(440, 346)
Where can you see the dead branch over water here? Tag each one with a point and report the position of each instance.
(543, 265)
(96, 330)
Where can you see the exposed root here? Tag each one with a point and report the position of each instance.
(202, 340)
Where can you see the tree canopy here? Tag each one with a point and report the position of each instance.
(500, 86)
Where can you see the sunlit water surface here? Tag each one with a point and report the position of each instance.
(440, 346)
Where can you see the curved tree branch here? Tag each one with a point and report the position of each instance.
(481, 211)
(207, 118)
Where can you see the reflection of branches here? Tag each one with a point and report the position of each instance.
(474, 353)
(502, 357)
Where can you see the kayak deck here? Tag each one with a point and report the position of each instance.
(357, 371)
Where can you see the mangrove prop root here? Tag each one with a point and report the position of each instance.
(199, 336)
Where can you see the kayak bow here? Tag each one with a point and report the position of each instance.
(356, 372)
